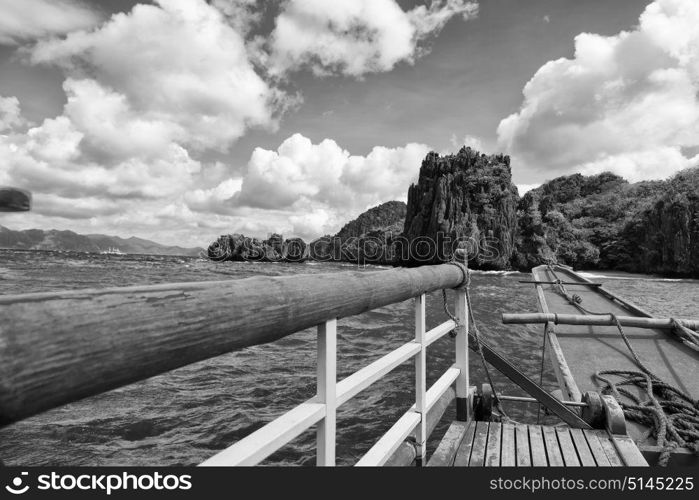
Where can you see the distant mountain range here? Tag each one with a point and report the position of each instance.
(38, 239)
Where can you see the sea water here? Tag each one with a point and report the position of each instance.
(185, 416)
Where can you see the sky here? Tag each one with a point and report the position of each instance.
(179, 120)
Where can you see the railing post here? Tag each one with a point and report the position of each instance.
(327, 394)
(421, 378)
(463, 412)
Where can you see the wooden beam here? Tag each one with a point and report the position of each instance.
(389, 442)
(326, 392)
(445, 453)
(564, 376)
(574, 283)
(405, 454)
(268, 439)
(59, 347)
(596, 320)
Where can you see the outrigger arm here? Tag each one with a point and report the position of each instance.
(507, 368)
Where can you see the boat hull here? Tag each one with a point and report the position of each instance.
(578, 352)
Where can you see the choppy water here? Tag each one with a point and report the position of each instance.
(185, 416)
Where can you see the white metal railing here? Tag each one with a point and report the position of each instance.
(322, 408)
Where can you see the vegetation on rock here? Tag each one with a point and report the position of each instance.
(467, 200)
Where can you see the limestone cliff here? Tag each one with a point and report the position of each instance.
(467, 200)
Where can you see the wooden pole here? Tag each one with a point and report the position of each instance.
(327, 392)
(63, 346)
(421, 378)
(596, 320)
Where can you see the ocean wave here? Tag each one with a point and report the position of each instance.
(496, 273)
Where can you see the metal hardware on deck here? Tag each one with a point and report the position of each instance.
(574, 283)
(527, 384)
(524, 399)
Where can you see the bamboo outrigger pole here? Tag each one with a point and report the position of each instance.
(59, 347)
(597, 320)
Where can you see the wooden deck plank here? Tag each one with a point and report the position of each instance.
(583, 449)
(553, 450)
(508, 455)
(492, 451)
(628, 451)
(494, 444)
(570, 457)
(445, 453)
(463, 454)
(537, 446)
(524, 458)
(480, 441)
(596, 448)
(609, 449)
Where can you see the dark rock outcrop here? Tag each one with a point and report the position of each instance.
(371, 237)
(238, 247)
(664, 238)
(604, 222)
(466, 200)
(387, 217)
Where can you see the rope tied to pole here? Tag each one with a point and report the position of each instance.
(473, 328)
(671, 415)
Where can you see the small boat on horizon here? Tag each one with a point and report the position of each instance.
(112, 251)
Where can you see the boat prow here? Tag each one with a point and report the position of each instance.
(580, 351)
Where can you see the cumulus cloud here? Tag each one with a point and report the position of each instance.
(150, 93)
(29, 20)
(355, 37)
(176, 69)
(10, 116)
(625, 103)
(323, 181)
(48, 159)
(243, 15)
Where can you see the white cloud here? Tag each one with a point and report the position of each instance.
(355, 37)
(29, 20)
(149, 94)
(470, 141)
(177, 69)
(322, 181)
(523, 188)
(10, 116)
(147, 91)
(625, 103)
(243, 15)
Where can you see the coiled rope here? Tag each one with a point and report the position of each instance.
(671, 415)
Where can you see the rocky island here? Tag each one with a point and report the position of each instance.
(468, 200)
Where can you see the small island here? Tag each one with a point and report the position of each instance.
(468, 200)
